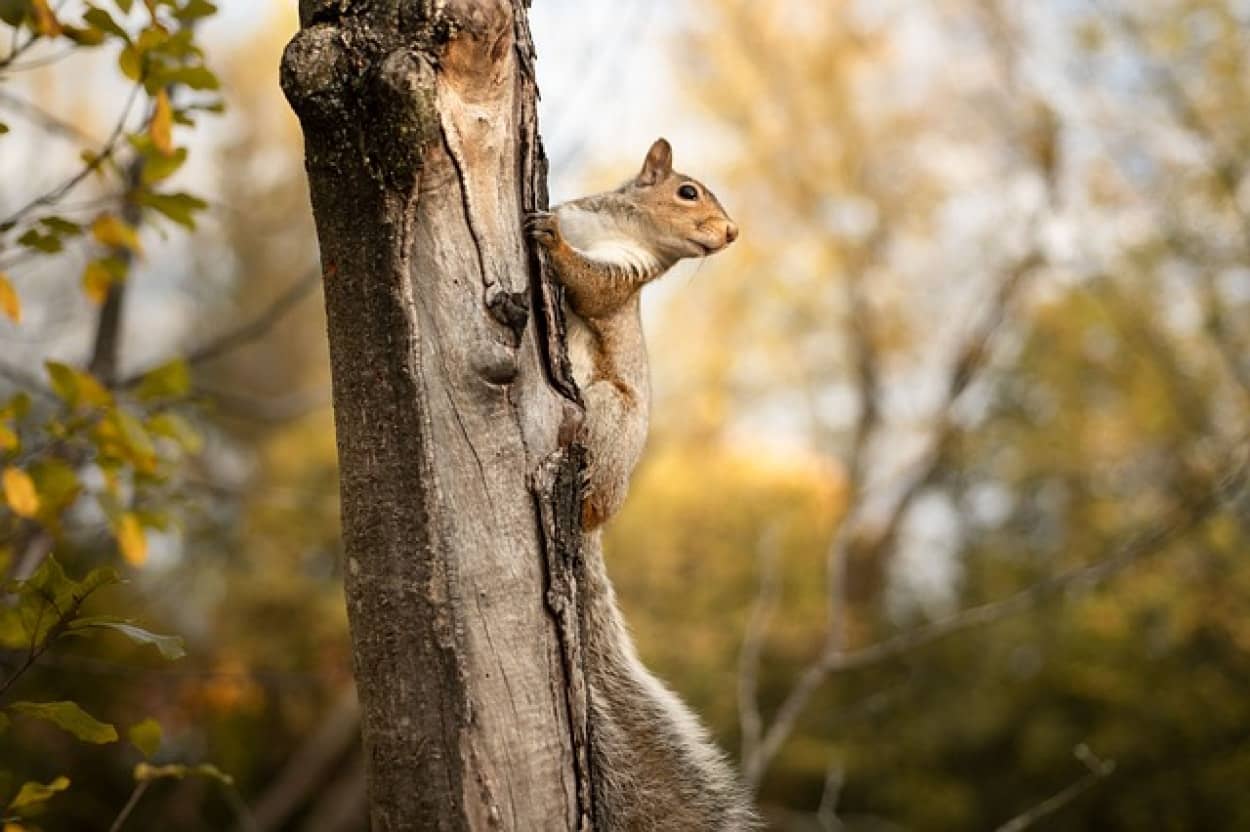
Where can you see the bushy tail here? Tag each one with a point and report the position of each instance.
(655, 767)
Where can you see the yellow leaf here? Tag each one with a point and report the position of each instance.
(8, 438)
(19, 492)
(45, 22)
(131, 540)
(162, 127)
(96, 281)
(10, 305)
(115, 232)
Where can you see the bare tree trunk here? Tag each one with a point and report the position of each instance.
(453, 409)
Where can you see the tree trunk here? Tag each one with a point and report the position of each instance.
(453, 407)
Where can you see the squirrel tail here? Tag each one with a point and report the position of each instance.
(656, 768)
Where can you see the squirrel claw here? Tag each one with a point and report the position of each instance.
(543, 226)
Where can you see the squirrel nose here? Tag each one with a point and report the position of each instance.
(731, 233)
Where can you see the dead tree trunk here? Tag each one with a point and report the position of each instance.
(453, 407)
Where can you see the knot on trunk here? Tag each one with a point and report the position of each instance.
(314, 70)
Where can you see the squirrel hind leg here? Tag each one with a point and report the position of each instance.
(614, 432)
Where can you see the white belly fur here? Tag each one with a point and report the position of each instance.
(598, 237)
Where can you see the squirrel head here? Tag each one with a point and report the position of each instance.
(684, 217)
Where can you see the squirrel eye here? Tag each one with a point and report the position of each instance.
(689, 192)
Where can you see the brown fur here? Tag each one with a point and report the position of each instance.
(656, 768)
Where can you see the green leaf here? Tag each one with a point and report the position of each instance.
(192, 77)
(172, 426)
(130, 63)
(104, 21)
(171, 380)
(124, 5)
(69, 717)
(49, 582)
(153, 519)
(170, 647)
(56, 482)
(146, 771)
(75, 387)
(48, 595)
(87, 36)
(47, 243)
(158, 166)
(60, 225)
(34, 793)
(194, 10)
(138, 446)
(13, 11)
(179, 207)
(152, 38)
(16, 407)
(145, 736)
(13, 629)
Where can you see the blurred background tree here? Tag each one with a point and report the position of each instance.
(941, 515)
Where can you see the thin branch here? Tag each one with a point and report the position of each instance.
(105, 351)
(266, 410)
(54, 632)
(247, 332)
(1079, 579)
(1225, 168)
(969, 361)
(1098, 769)
(106, 153)
(49, 122)
(1219, 162)
(827, 811)
(39, 63)
(242, 814)
(17, 50)
(135, 795)
(765, 605)
(867, 376)
(342, 803)
(310, 765)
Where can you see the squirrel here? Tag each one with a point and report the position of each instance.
(655, 766)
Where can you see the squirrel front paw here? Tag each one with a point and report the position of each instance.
(543, 227)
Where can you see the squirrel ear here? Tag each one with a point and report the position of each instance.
(658, 164)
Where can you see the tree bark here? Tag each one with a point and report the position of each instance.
(454, 409)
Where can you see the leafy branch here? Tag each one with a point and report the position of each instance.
(93, 163)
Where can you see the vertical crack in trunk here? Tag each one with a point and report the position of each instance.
(422, 149)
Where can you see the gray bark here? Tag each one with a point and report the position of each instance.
(453, 408)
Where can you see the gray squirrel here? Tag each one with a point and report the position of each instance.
(656, 767)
